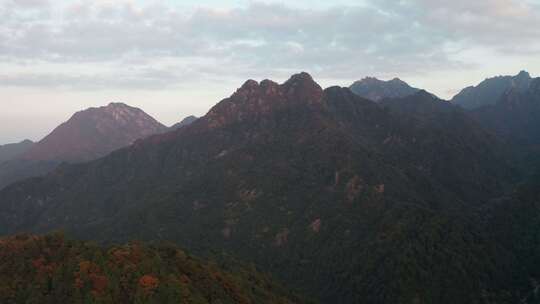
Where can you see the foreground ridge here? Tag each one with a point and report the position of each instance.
(51, 269)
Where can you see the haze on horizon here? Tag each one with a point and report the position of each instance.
(177, 58)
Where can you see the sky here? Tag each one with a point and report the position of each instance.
(177, 58)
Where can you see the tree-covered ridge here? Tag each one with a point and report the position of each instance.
(51, 269)
(348, 200)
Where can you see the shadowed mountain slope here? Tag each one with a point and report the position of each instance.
(489, 91)
(349, 200)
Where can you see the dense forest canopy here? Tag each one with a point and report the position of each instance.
(52, 269)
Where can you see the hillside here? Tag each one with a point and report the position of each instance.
(184, 122)
(516, 115)
(51, 269)
(11, 151)
(341, 197)
(489, 91)
(94, 132)
(87, 135)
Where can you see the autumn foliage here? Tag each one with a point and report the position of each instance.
(50, 269)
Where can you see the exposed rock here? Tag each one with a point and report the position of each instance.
(316, 225)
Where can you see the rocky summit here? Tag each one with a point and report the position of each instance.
(93, 133)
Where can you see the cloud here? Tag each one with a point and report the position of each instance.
(31, 4)
(260, 39)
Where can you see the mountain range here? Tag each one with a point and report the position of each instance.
(402, 200)
(395, 197)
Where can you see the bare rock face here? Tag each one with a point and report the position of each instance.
(94, 132)
(254, 99)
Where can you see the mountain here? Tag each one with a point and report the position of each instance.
(340, 197)
(375, 89)
(186, 121)
(17, 169)
(10, 151)
(94, 132)
(515, 116)
(87, 135)
(489, 91)
(51, 269)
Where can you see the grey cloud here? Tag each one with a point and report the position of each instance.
(397, 37)
(504, 25)
(30, 3)
(140, 79)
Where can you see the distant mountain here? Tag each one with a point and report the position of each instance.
(51, 269)
(10, 151)
(489, 91)
(375, 89)
(87, 135)
(186, 121)
(94, 132)
(349, 200)
(515, 116)
(17, 169)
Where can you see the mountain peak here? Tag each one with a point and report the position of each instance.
(301, 77)
(491, 90)
(94, 132)
(254, 98)
(116, 104)
(302, 88)
(375, 89)
(523, 74)
(423, 94)
(186, 121)
(249, 84)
